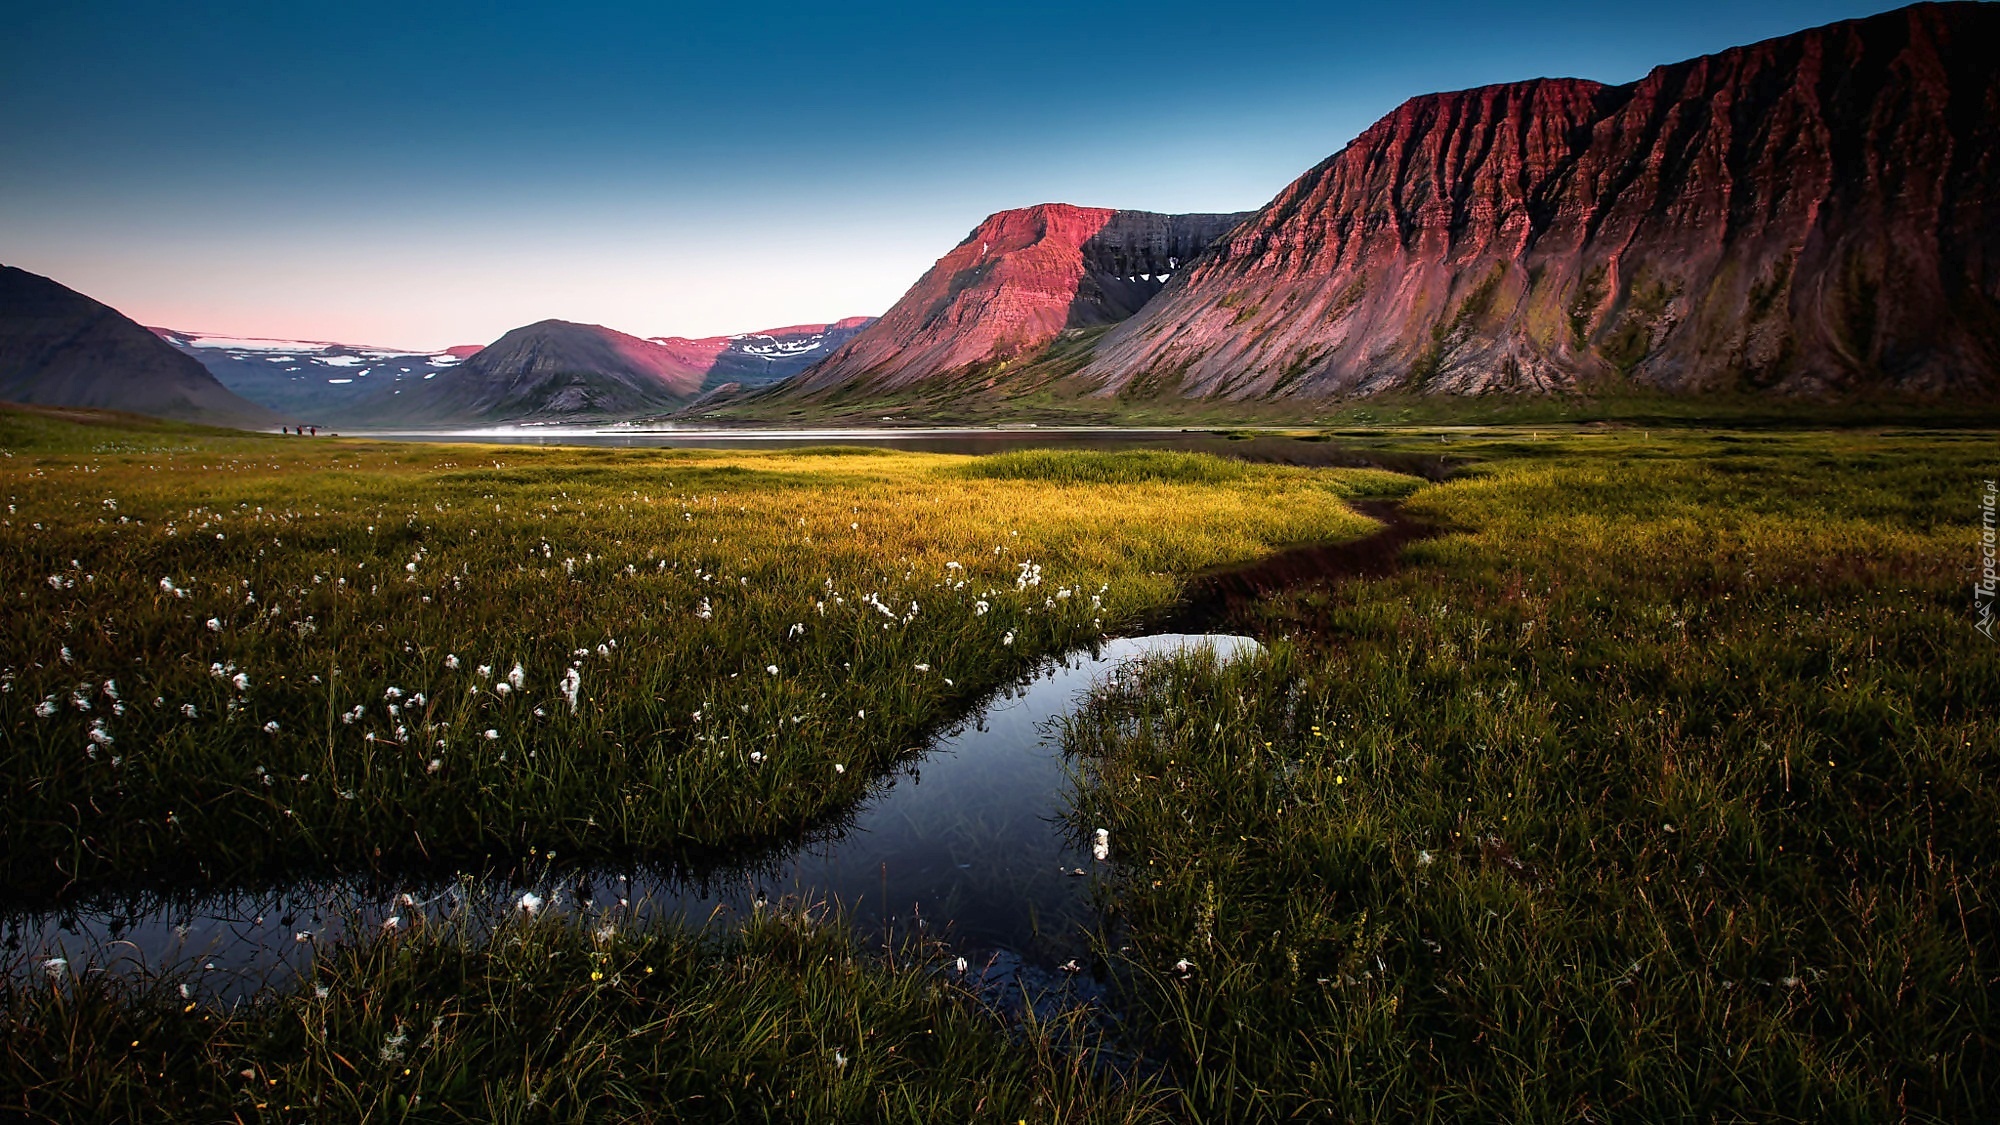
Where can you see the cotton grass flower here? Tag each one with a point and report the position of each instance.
(572, 680)
(1100, 847)
(530, 904)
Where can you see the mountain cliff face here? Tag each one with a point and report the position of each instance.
(60, 348)
(1815, 214)
(550, 370)
(1019, 279)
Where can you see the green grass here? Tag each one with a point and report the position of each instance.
(550, 1020)
(1661, 790)
(1097, 467)
(1658, 787)
(227, 657)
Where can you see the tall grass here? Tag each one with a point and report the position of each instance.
(226, 656)
(1660, 791)
(561, 1020)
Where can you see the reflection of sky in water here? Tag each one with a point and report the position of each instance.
(966, 843)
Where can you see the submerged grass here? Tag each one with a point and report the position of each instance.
(1660, 790)
(227, 656)
(555, 1019)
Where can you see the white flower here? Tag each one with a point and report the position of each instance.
(451, 661)
(1008, 639)
(840, 767)
(962, 964)
(839, 1059)
(756, 758)
(392, 921)
(1100, 848)
(241, 681)
(492, 735)
(518, 677)
(393, 693)
(46, 708)
(1183, 965)
(188, 710)
(771, 668)
(214, 625)
(485, 671)
(797, 630)
(980, 607)
(302, 937)
(435, 765)
(921, 667)
(56, 967)
(1425, 859)
(530, 903)
(571, 681)
(271, 727)
(98, 735)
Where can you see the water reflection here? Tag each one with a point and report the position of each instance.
(966, 843)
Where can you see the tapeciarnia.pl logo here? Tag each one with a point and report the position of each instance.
(1988, 584)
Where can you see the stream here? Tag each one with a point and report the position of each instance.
(965, 843)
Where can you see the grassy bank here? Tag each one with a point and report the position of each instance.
(555, 1021)
(222, 656)
(1661, 790)
(1657, 787)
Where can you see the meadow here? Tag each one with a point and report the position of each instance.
(1656, 786)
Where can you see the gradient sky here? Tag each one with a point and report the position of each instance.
(422, 175)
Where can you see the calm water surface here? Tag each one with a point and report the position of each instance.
(966, 843)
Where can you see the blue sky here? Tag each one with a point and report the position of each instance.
(424, 175)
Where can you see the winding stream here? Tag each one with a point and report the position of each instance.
(965, 843)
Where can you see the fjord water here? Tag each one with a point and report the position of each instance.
(1315, 451)
(964, 842)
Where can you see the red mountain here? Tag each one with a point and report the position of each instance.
(1818, 213)
(1019, 279)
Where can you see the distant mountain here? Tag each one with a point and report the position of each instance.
(757, 359)
(314, 380)
(1817, 214)
(60, 348)
(1018, 281)
(547, 371)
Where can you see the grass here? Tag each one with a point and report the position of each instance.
(1661, 790)
(1657, 787)
(232, 657)
(553, 1020)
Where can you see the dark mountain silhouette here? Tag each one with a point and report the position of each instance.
(61, 348)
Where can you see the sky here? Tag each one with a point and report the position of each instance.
(422, 175)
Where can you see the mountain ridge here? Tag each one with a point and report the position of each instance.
(59, 347)
(1813, 214)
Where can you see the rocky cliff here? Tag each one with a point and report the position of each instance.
(1816, 214)
(61, 348)
(1019, 279)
